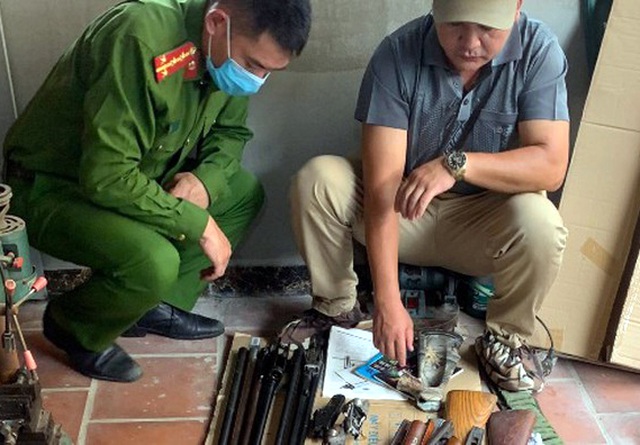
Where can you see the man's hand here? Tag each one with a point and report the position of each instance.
(392, 329)
(421, 186)
(187, 186)
(217, 248)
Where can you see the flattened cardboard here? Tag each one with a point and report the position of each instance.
(383, 418)
(626, 350)
(600, 205)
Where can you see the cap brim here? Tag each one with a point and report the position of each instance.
(498, 14)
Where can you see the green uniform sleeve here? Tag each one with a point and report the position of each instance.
(220, 153)
(120, 109)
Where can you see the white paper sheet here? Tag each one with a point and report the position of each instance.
(347, 349)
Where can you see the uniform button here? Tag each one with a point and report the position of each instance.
(182, 237)
(466, 102)
(188, 141)
(160, 147)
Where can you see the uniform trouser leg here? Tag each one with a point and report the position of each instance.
(133, 267)
(234, 216)
(518, 239)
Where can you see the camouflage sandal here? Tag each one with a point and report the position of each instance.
(514, 369)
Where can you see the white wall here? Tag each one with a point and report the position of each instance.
(300, 113)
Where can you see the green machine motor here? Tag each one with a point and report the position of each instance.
(15, 258)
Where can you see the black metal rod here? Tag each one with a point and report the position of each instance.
(250, 413)
(254, 347)
(232, 398)
(291, 401)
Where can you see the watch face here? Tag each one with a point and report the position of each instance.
(456, 160)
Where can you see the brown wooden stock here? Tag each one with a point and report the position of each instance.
(511, 427)
(467, 409)
(398, 437)
(415, 433)
(431, 426)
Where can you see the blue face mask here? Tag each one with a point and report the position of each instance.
(230, 77)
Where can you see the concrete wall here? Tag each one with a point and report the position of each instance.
(300, 113)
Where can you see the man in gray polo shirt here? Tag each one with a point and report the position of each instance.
(465, 125)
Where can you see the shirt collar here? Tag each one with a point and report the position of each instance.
(512, 49)
(434, 55)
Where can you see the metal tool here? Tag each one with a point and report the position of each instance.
(355, 414)
(325, 418)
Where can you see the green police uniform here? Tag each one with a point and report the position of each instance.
(116, 119)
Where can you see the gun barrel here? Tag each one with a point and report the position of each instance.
(232, 400)
(270, 383)
(290, 404)
(245, 391)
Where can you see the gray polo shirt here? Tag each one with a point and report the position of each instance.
(409, 85)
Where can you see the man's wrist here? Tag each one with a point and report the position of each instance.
(456, 163)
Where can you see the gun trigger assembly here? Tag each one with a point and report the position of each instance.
(325, 418)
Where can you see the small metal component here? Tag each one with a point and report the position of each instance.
(325, 418)
(355, 413)
(335, 436)
(444, 431)
(475, 436)
(8, 431)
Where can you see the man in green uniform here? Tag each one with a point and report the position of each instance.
(127, 160)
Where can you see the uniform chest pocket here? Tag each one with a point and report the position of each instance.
(494, 131)
(156, 158)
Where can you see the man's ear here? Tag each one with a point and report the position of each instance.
(518, 7)
(215, 20)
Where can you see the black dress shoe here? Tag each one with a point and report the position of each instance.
(112, 364)
(172, 322)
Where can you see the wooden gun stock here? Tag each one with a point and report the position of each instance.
(466, 409)
(415, 433)
(511, 427)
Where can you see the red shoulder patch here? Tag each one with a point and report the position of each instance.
(184, 56)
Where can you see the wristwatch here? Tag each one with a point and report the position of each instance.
(456, 163)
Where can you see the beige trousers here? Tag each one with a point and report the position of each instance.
(517, 239)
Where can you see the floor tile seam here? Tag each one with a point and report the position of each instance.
(625, 413)
(111, 421)
(63, 390)
(88, 412)
(560, 380)
(588, 402)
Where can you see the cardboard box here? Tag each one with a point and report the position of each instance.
(383, 418)
(600, 207)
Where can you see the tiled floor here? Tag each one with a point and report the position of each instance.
(171, 404)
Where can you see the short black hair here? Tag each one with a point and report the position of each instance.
(287, 21)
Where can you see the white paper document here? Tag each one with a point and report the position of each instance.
(348, 349)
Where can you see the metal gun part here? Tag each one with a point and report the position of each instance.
(314, 364)
(335, 436)
(295, 366)
(325, 418)
(398, 437)
(442, 433)
(233, 396)
(355, 414)
(254, 347)
(475, 436)
(273, 373)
